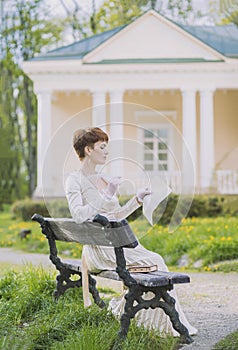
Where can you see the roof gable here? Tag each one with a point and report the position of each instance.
(152, 39)
(79, 49)
(151, 36)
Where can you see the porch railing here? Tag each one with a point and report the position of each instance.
(227, 181)
(173, 179)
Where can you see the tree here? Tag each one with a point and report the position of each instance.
(229, 11)
(114, 13)
(180, 9)
(83, 21)
(9, 154)
(80, 20)
(26, 31)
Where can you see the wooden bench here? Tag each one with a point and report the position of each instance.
(117, 235)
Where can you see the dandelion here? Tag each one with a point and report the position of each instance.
(211, 238)
(223, 238)
(12, 227)
(207, 268)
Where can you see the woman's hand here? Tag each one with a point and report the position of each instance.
(140, 195)
(112, 187)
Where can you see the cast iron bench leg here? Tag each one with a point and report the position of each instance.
(168, 305)
(64, 282)
(95, 294)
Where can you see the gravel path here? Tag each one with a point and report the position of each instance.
(14, 257)
(210, 301)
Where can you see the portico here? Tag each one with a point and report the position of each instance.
(123, 90)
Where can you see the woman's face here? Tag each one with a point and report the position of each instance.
(99, 153)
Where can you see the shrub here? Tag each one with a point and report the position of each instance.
(201, 206)
(24, 209)
(58, 208)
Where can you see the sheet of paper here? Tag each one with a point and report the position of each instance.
(160, 190)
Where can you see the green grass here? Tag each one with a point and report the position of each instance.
(35, 242)
(211, 240)
(8, 267)
(230, 342)
(31, 319)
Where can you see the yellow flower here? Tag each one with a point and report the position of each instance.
(223, 238)
(229, 238)
(12, 227)
(211, 238)
(207, 268)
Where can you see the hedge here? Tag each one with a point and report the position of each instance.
(24, 209)
(201, 206)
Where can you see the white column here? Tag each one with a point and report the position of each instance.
(206, 139)
(116, 132)
(43, 139)
(99, 109)
(189, 160)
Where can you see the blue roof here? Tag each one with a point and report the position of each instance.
(223, 38)
(79, 49)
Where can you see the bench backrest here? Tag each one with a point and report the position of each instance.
(93, 233)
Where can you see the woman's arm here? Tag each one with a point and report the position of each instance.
(78, 210)
(125, 210)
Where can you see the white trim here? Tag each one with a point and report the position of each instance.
(163, 20)
(150, 80)
(71, 67)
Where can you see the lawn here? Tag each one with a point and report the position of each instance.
(31, 319)
(205, 243)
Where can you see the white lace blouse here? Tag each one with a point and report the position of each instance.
(86, 200)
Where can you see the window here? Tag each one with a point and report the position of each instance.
(156, 155)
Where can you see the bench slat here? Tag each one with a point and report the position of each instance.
(149, 279)
(91, 233)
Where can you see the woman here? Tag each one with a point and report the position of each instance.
(89, 193)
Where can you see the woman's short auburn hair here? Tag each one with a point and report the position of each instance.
(87, 137)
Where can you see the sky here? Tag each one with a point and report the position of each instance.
(56, 7)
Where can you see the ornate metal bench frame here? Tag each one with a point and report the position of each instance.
(138, 284)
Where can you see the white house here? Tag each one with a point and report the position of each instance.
(166, 93)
